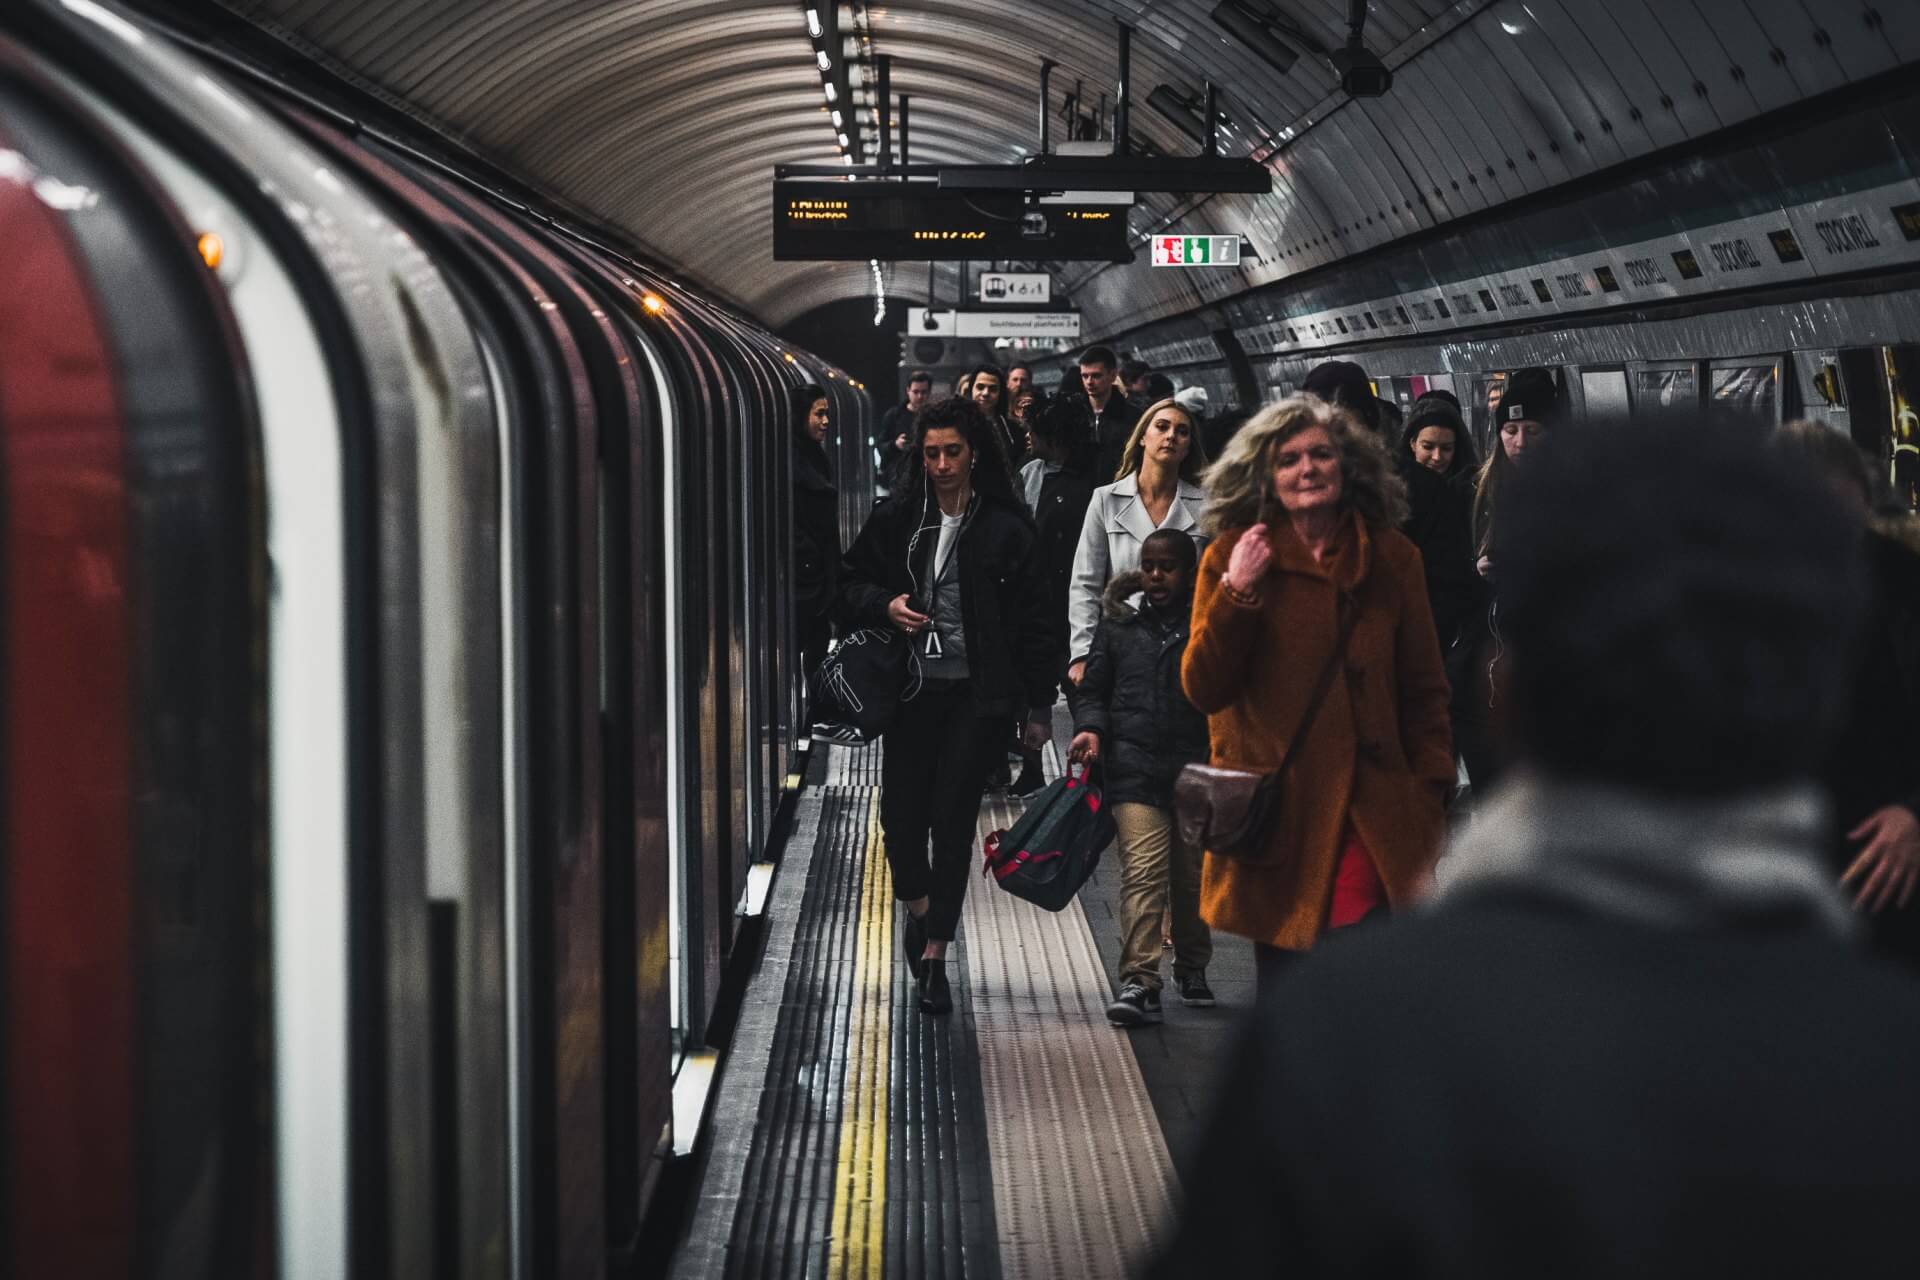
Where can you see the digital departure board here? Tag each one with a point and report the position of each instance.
(831, 220)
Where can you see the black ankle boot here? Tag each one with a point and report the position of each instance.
(913, 940)
(935, 995)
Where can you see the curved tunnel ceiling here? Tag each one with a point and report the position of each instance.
(665, 117)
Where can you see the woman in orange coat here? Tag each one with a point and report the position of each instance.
(1305, 512)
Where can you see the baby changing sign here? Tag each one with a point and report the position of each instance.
(1196, 251)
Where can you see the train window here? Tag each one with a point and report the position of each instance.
(1818, 391)
(1666, 390)
(1748, 389)
(1605, 392)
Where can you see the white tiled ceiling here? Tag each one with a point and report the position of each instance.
(666, 117)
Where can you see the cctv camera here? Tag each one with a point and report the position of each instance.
(1362, 74)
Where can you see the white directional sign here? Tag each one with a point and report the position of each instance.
(1196, 251)
(1028, 288)
(992, 324)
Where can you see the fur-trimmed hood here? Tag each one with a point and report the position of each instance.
(1120, 590)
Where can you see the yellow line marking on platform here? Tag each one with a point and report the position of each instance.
(860, 1176)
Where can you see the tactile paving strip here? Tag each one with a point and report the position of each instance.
(940, 1218)
(1082, 1183)
(783, 1224)
(869, 1151)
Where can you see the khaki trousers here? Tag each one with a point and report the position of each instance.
(1157, 874)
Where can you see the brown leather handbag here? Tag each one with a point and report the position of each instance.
(1229, 811)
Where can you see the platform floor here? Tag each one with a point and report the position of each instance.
(1021, 1137)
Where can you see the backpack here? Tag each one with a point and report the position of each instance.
(1054, 847)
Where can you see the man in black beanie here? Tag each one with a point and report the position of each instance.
(1531, 395)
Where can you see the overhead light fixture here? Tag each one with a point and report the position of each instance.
(1252, 24)
(833, 94)
(838, 123)
(1188, 115)
(845, 142)
(820, 56)
(813, 23)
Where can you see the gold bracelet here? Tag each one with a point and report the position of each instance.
(1248, 598)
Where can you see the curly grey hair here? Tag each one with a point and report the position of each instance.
(1240, 484)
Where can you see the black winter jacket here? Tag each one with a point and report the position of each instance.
(1111, 427)
(1061, 512)
(1439, 522)
(1015, 649)
(1876, 761)
(1132, 697)
(816, 530)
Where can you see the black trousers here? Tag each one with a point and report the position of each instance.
(933, 772)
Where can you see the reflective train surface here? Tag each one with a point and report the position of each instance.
(398, 686)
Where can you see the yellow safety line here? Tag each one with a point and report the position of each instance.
(860, 1177)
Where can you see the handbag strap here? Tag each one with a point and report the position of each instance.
(1325, 683)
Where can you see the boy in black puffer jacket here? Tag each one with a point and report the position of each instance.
(1131, 716)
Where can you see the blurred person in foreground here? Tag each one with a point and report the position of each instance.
(1874, 770)
(1635, 1034)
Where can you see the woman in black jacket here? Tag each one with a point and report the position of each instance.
(949, 562)
(1131, 714)
(816, 525)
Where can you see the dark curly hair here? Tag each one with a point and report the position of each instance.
(992, 471)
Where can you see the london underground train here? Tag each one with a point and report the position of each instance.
(399, 683)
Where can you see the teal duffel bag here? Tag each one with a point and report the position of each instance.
(1054, 847)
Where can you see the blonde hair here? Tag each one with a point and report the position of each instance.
(1240, 484)
(1136, 448)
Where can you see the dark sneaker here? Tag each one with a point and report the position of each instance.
(1194, 991)
(935, 995)
(1135, 1006)
(913, 940)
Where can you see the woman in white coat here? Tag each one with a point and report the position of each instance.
(1158, 487)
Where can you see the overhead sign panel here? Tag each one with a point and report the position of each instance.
(992, 324)
(1027, 288)
(837, 220)
(1196, 251)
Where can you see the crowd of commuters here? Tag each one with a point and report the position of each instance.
(1665, 997)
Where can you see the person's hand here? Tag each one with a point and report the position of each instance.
(1485, 566)
(1085, 748)
(1076, 672)
(1248, 564)
(1037, 735)
(1889, 866)
(901, 442)
(903, 616)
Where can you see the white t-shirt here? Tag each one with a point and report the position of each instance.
(949, 530)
